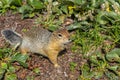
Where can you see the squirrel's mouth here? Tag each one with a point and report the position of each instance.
(67, 42)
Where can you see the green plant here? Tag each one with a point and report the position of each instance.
(72, 66)
(97, 36)
(30, 8)
(27, 8)
(6, 5)
(96, 26)
(7, 57)
(101, 64)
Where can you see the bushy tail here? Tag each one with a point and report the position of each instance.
(12, 37)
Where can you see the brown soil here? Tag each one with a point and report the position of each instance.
(47, 71)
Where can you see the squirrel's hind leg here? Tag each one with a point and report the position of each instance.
(23, 50)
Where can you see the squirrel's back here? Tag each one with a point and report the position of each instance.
(35, 39)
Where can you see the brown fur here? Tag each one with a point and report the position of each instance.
(49, 47)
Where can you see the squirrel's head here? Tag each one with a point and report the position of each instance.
(62, 36)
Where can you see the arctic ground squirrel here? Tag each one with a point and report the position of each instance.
(39, 41)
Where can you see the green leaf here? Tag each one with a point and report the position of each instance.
(114, 68)
(100, 16)
(4, 65)
(74, 26)
(5, 2)
(52, 28)
(84, 25)
(30, 77)
(25, 9)
(72, 66)
(112, 15)
(97, 74)
(1, 55)
(31, 15)
(114, 55)
(111, 76)
(20, 58)
(93, 59)
(78, 2)
(5, 52)
(23, 64)
(16, 2)
(64, 9)
(36, 4)
(11, 77)
(11, 69)
(85, 70)
(1, 4)
(36, 70)
(2, 72)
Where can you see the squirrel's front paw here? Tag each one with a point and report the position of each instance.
(56, 66)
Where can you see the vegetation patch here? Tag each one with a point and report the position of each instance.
(95, 26)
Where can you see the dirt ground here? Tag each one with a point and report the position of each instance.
(47, 71)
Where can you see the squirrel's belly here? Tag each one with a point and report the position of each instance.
(38, 51)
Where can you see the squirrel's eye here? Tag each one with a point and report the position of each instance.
(60, 35)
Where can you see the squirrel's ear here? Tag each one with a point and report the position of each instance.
(54, 33)
(62, 28)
